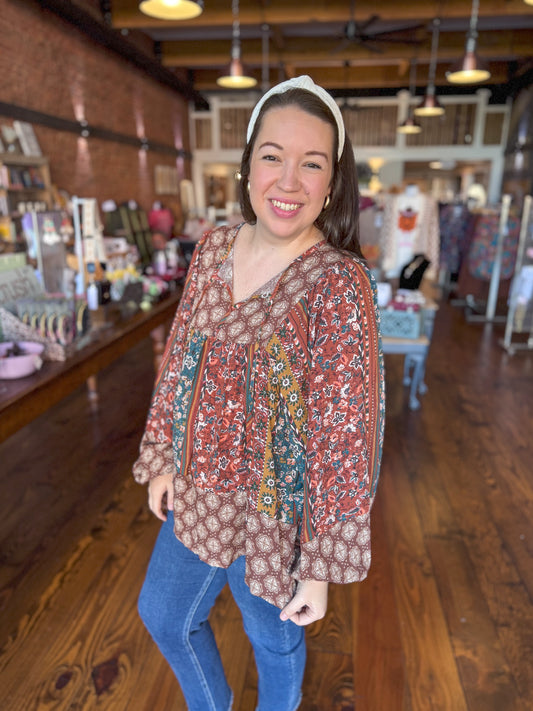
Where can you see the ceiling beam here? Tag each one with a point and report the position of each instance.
(503, 46)
(126, 13)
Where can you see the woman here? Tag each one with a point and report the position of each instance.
(264, 434)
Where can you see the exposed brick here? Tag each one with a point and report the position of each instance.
(48, 65)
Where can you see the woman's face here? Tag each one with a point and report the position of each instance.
(291, 167)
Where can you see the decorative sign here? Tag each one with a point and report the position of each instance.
(46, 234)
(19, 283)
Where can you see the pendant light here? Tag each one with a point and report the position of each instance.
(410, 125)
(430, 105)
(236, 78)
(470, 70)
(172, 9)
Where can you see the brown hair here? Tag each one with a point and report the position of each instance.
(339, 222)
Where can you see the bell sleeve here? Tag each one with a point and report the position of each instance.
(346, 406)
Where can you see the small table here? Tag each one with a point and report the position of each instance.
(24, 399)
(415, 351)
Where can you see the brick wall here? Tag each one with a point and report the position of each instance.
(46, 64)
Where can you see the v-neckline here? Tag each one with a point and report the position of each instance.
(262, 290)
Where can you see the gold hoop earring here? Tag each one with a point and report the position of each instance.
(326, 202)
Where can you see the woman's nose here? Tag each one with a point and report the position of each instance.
(289, 178)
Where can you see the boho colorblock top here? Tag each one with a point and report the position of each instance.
(269, 413)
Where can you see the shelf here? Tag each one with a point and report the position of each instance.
(21, 160)
(24, 189)
(24, 181)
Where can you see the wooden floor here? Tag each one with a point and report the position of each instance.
(444, 621)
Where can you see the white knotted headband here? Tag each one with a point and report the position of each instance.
(302, 82)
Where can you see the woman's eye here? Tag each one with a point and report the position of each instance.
(269, 157)
(314, 165)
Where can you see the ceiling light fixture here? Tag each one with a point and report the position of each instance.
(470, 70)
(410, 126)
(172, 9)
(430, 105)
(236, 78)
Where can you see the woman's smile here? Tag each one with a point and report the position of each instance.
(285, 206)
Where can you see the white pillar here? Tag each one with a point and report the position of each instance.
(496, 178)
(483, 96)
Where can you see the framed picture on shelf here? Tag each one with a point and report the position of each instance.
(27, 138)
(10, 140)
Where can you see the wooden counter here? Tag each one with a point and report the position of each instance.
(24, 399)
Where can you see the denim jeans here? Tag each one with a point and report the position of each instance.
(177, 596)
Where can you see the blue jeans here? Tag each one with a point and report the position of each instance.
(177, 596)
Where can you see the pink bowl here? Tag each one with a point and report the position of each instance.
(21, 365)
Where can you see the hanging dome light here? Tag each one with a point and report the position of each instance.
(409, 126)
(470, 70)
(172, 9)
(430, 105)
(236, 77)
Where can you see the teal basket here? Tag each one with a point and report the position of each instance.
(400, 324)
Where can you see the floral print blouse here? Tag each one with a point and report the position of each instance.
(269, 413)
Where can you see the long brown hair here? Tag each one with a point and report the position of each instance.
(339, 222)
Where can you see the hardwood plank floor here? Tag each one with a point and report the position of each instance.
(444, 621)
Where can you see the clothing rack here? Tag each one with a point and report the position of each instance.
(494, 285)
(454, 219)
(520, 313)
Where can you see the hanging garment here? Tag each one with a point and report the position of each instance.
(368, 222)
(484, 245)
(454, 221)
(410, 226)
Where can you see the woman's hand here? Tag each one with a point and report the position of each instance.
(309, 603)
(157, 488)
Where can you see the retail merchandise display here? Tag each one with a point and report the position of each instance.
(76, 275)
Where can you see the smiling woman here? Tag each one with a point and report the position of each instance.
(263, 441)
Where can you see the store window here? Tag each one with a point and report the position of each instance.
(454, 128)
(233, 125)
(493, 129)
(202, 128)
(371, 125)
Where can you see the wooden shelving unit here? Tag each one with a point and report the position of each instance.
(24, 185)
